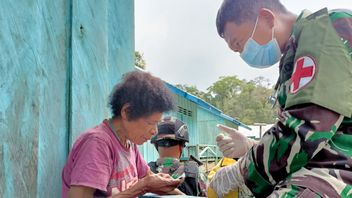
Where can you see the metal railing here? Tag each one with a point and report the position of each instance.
(204, 152)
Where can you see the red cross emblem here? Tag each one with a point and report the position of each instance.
(303, 73)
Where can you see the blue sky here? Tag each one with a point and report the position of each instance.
(180, 44)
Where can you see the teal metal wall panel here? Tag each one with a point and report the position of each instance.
(58, 63)
(207, 129)
(33, 68)
(149, 152)
(188, 114)
(102, 50)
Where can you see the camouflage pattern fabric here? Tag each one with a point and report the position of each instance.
(195, 181)
(171, 166)
(308, 152)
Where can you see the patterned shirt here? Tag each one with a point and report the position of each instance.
(311, 144)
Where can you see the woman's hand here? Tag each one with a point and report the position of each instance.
(160, 183)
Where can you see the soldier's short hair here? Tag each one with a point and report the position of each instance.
(239, 11)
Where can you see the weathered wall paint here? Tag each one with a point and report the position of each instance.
(33, 96)
(103, 49)
(55, 81)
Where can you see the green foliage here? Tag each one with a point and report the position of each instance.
(241, 99)
(244, 100)
(191, 89)
(224, 89)
(139, 60)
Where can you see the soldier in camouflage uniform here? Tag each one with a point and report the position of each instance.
(308, 152)
(169, 142)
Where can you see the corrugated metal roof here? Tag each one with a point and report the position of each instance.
(201, 103)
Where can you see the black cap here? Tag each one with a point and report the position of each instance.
(171, 128)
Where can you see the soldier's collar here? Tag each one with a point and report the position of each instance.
(306, 14)
(167, 161)
(303, 14)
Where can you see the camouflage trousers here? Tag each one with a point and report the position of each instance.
(283, 190)
(316, 182)
(294, 191)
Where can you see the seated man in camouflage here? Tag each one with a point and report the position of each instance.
(169, 142)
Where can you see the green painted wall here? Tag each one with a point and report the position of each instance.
(58, 63)
(207, 129)
(187, 112)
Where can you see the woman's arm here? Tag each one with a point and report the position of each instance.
(81, 191)
(155, 183)
(88, 192)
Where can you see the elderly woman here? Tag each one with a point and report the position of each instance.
(104, 160)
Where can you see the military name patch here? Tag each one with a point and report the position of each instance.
(303, 73)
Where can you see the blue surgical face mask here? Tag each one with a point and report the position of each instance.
(261, 56)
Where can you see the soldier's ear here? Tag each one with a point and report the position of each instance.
(180, 147)
(267, 16)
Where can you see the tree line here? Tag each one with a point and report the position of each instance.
(247, 101)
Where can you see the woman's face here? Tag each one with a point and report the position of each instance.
(142, 129)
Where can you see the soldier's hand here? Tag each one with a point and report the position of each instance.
(234, 144)
(160, 183)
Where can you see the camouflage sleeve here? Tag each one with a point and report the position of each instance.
(296, 138)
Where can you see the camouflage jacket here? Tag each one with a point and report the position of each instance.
(311, 144)
(195, 181)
